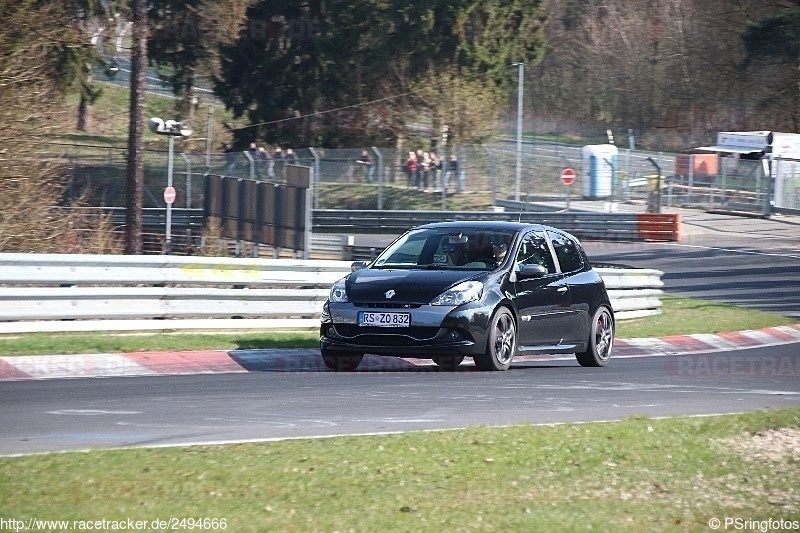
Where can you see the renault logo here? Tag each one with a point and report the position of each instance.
(389, 293)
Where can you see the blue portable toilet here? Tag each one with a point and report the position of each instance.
(599, 170)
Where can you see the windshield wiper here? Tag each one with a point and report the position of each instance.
(394, 267)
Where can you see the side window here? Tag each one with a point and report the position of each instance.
(534, 251)
(567, 251)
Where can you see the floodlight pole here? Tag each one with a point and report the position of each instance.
(518, 174)
(171, 129)
(168, 242)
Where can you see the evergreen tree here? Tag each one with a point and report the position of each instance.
(318, 56)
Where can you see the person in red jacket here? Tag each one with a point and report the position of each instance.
(411, 169)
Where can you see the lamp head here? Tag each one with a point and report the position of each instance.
(170, 127)
(156, 125)
(185, 128)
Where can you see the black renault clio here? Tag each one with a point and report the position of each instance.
(486, 290)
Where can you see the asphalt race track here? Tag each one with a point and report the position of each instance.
(749, 262)
(38, 416)
(753, 263)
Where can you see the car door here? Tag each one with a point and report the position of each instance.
(572, 265)
(541, 301)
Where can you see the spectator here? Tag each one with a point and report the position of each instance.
(436, 167)
(418, 177)
(411, 169)
(253, 151)
(365, 162)
(230, 159)
(425, 170)
(452, 171)
(278, 160)
(265, 162)
(291, 157)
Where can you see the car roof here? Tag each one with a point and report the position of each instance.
(486, 224)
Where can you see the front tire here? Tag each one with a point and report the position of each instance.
(341, 361)
(501, 346)
(601, 339)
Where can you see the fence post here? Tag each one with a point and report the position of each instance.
(317, 176)
(724, 193)
(528, 178)
(252, 164)
(380, 177)
(491, 173)
(460, 173)
(768, 187)
(628, 170)
(308, 199)
(188, 180)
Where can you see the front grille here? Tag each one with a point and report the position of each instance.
(387, 305)
(388, 340)
(414, 332)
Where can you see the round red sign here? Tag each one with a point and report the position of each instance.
(169, 195)
(568, 176)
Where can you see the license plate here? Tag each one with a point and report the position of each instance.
(385, 320)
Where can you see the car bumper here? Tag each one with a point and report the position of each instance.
(434, 330)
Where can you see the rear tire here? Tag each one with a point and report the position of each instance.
(601, 339)
(501, 346)
(341, 361)
(448, 362)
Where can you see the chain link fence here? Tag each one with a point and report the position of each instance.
(787, 185)
(97, 174)
(731, 184)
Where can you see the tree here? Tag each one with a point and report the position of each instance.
(361, 59)
(135, 175)
(38, 54)
(469, 108)
(776, 38)
(674, 70)
(186, 38)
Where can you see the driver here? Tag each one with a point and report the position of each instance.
(499, 251)
(456, 254)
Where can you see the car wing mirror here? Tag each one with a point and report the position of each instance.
(357, 265)
(531, 271)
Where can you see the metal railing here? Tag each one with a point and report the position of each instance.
(583, 225)
(331, 227)
(739, 184)
(63, 292)
(787, 185)
(100, 171)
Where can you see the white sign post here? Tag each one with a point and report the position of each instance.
(172, 129)
(567, 178)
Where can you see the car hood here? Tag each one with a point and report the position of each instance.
(409, 286)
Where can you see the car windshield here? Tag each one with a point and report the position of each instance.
(447, 249)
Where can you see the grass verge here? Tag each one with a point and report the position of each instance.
(52, 343)
(680, 316)
(684, 316)
(638, 474)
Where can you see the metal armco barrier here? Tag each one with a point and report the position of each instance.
(584, 225)
(55, 292)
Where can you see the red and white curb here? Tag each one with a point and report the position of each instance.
(700, 343)
(33, 367)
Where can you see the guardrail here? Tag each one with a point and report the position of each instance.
(584, 225)
(64, 292)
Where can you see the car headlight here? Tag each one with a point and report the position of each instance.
(462, 293)
(338, 293)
